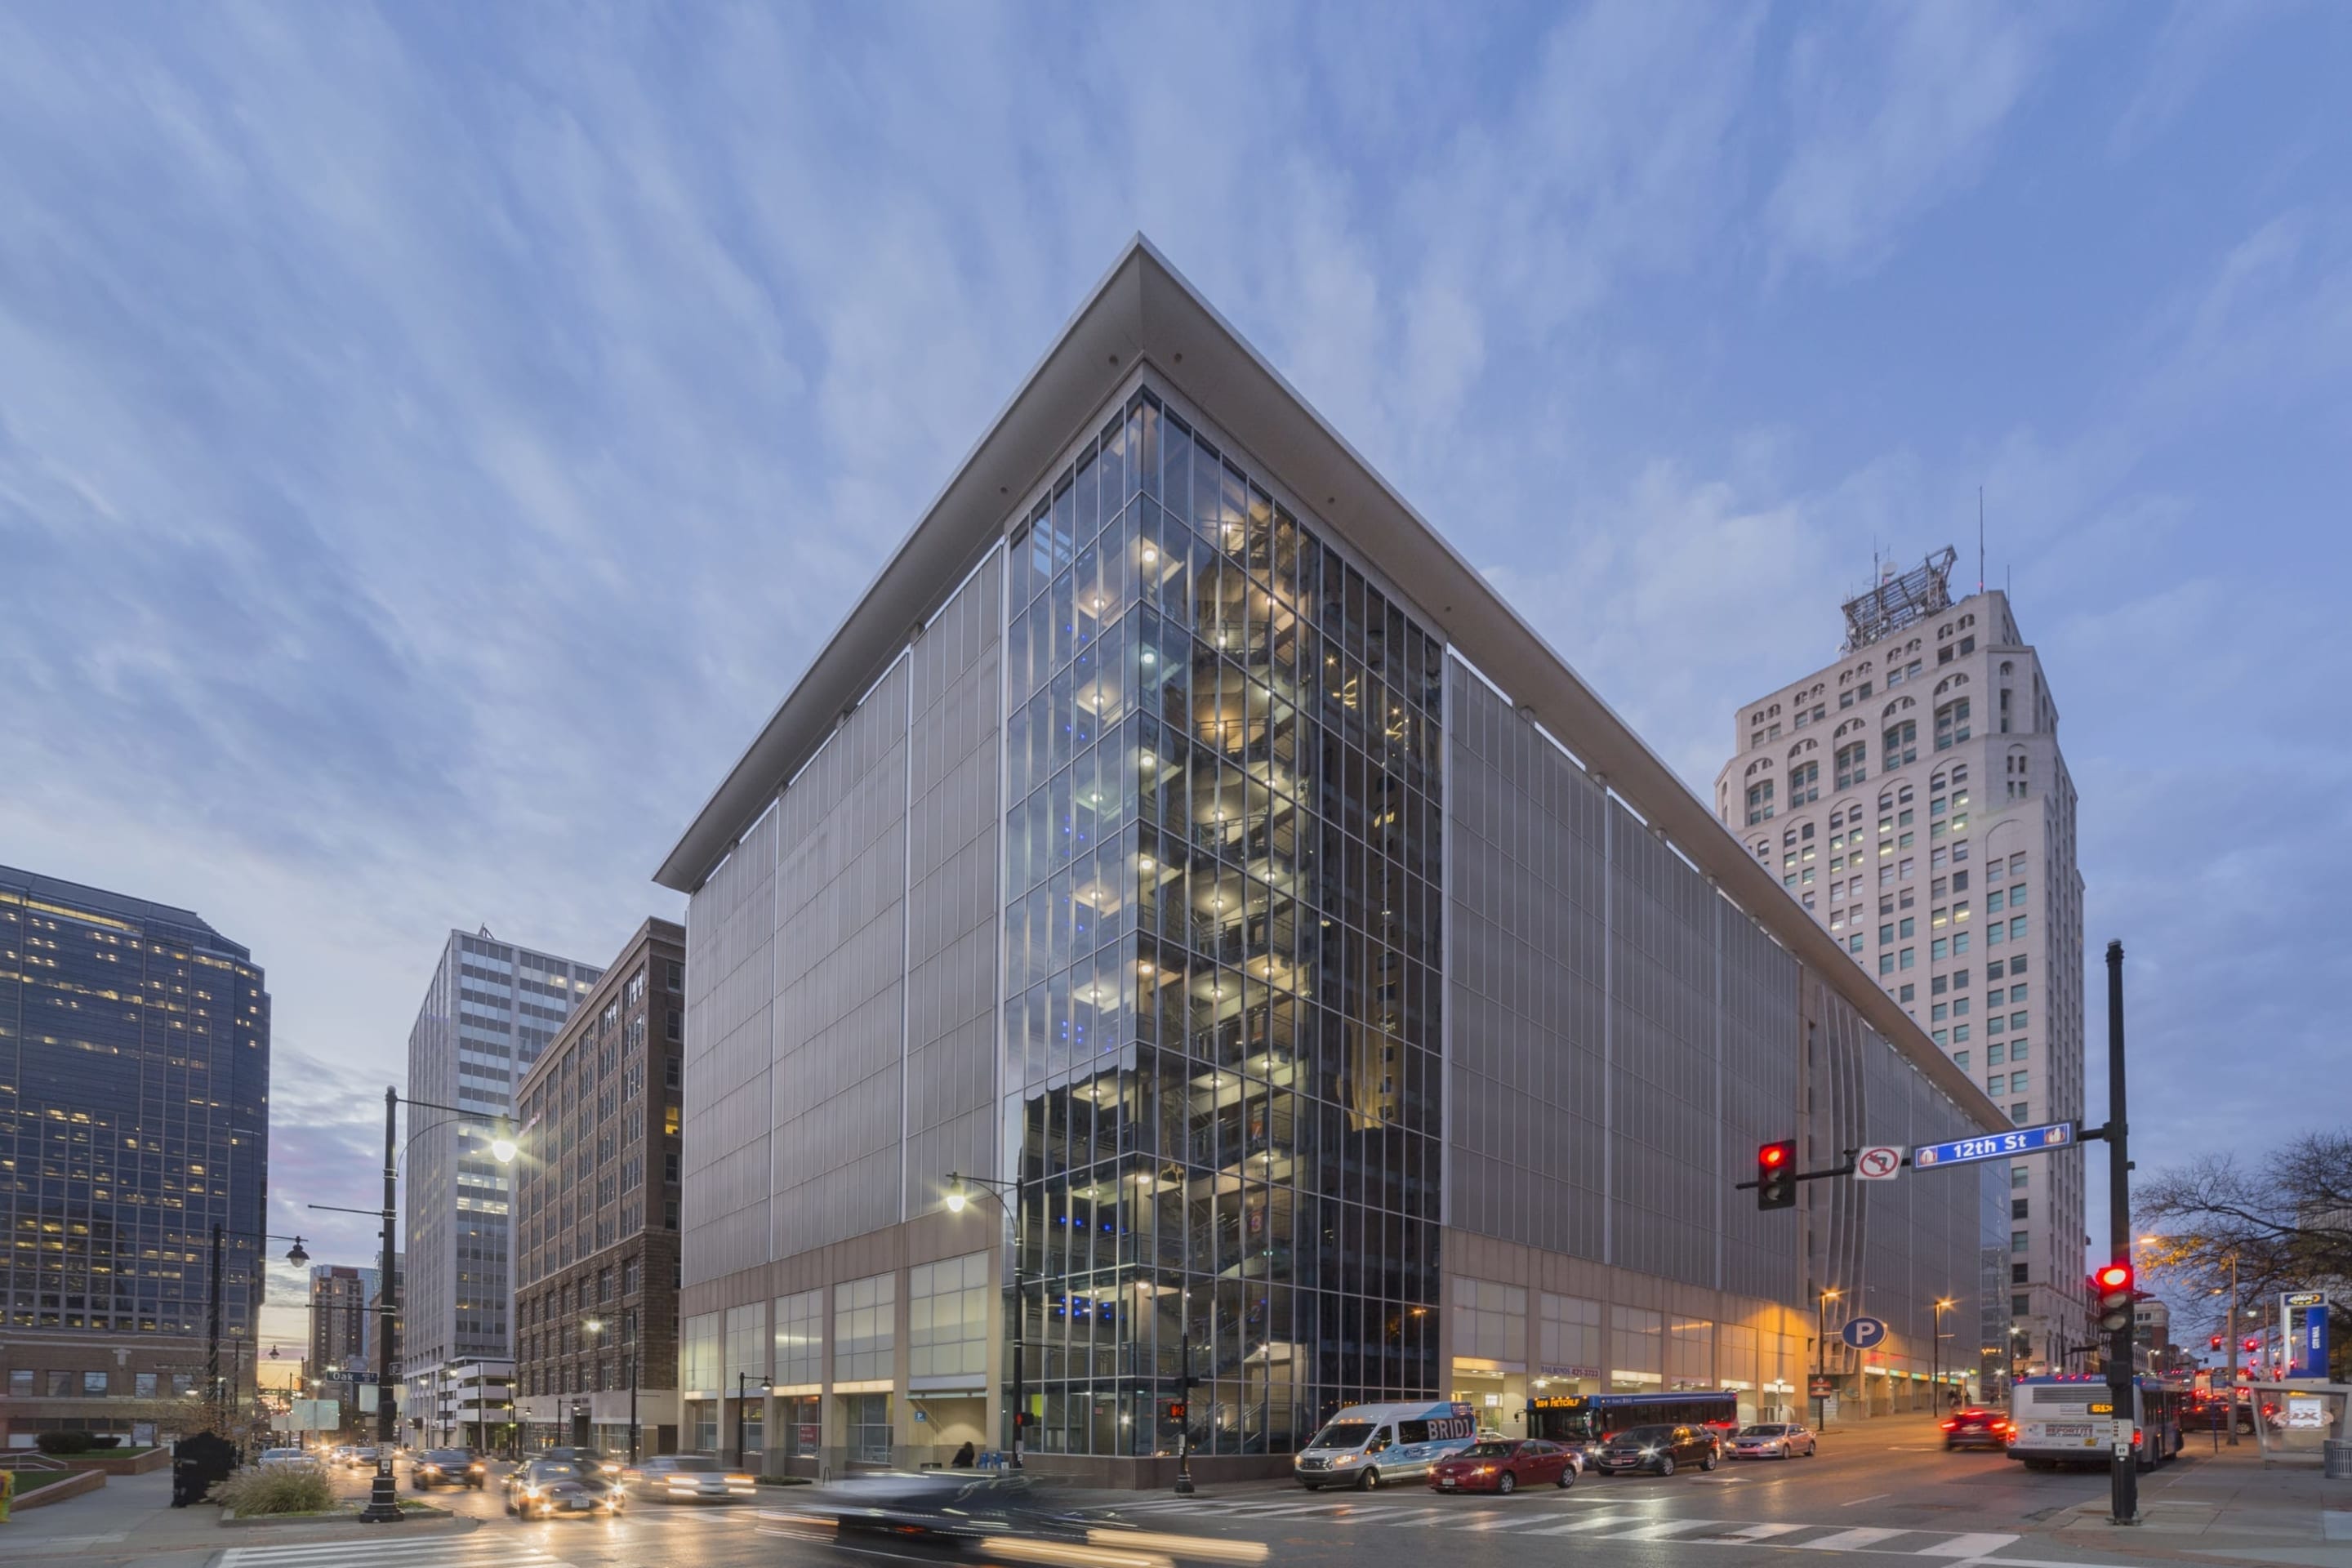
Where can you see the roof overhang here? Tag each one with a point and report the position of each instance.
(1143, 310)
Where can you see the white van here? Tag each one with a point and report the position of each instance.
(1364, 1445)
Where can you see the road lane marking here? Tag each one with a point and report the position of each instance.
(1847, 1539)
(1966, 1546)
(1860, 1501)
(1748, 1533)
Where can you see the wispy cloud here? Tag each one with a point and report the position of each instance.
(1894, 110)
(431, 439)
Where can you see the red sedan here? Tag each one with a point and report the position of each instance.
(1507, 1465)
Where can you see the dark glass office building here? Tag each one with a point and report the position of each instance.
(135, 1117)
(1318, 980)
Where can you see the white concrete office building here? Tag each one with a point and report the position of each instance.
(492, 1007)
(1913, 799)
(1181, 833)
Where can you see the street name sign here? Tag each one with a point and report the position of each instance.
(1995, 1145)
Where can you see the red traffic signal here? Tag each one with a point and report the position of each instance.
(1776, 1174)
(2253, 1345)
(2113, 1285)
(2216, 1342)
(1176, 1411)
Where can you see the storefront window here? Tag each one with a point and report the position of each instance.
(698, 1353)
(1636, 1350)
(947, 1321)
(869, 1420)
(802, 1432)
(865, 1323)
(1568, 1357)
(1690, 1354)
(800, 1339)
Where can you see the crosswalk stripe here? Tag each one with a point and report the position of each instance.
(1663, 1531)
(1748, 1533)
(1847, 1539)
(1597, 1521)
(1966, 1546)
(391, 1553)
(1529, 1519)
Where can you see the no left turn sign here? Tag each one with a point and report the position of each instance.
(1879, 1164)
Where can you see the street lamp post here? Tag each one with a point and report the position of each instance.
(1936, 1353)
(383, 1497)
(594, 1329)
(1822, 1359)
(742, 1379)
(957, 1198)
(214, 1394)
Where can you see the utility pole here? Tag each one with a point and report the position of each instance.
(383, 1498)
(2231, 1334)
(212, 1341)
(2124, 1467)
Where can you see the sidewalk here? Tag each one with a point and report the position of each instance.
(2226, 1506)
(132, 1516)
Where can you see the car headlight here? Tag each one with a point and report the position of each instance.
(1345, 1459)
(1649, 1453)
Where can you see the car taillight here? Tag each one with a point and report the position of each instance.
(1952, 1425)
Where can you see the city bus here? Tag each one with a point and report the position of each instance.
(2069, 1420)
(1588, 1420)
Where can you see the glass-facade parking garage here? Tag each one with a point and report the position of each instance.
(1222, 759)
(1180, 840)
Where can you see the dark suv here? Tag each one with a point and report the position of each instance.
(1976, 1428)
(447, 1468)
(1660, 1449)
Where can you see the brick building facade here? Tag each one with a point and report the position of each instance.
(596, 1210)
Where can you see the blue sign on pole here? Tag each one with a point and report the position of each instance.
(1994, 1146)
(2307, 1345)
(1862, 1333)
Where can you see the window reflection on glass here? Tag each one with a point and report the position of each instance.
(1220, 949)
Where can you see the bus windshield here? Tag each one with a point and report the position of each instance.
(1342, 1435)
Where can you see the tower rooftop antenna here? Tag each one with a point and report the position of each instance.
(1897, 599)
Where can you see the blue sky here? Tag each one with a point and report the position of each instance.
(432, 439)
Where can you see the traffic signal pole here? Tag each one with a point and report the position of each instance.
(2123, 1474)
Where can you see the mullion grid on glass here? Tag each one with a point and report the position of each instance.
(1220, 1009)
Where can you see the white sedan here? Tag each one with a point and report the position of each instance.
(689, 1477)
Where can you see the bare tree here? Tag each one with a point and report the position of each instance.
(2286, 1220)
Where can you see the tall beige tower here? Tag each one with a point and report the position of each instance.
(1912, 796)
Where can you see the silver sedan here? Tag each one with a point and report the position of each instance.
(1773, 1440)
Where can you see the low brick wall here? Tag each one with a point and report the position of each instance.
(71, 1485)
(137, 1463)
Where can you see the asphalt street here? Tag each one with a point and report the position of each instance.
(1878, 1497)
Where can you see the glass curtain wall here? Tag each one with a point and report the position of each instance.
(1220, 958)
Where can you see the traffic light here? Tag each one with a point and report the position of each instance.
(2215, 1344)
(1776, 1175)
(1176, 1410)
(2114, 1287)
(2253, 1345)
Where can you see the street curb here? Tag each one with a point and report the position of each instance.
(437, 1517)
